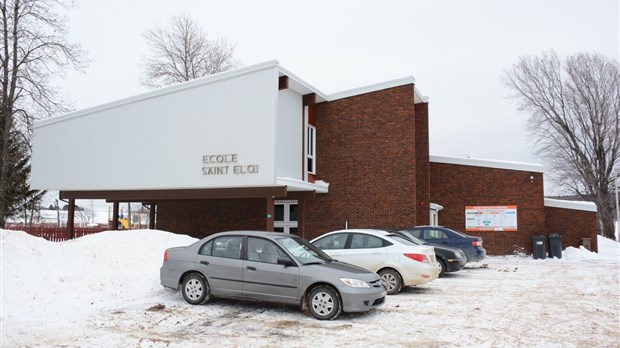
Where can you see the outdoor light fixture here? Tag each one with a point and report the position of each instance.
(531, 178)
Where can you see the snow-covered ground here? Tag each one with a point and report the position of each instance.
(103, 290)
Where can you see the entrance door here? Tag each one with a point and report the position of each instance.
(434, 218)
(285, 217)
(434, 210)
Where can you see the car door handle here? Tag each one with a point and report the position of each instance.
(206, 263)
(251, 268)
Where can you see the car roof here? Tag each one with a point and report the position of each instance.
(376, 232)
(252, 233)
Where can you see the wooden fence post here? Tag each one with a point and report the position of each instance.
(70, 219)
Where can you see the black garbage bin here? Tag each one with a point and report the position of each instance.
(555, 246)
(539, 247)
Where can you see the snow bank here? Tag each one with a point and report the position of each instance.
(608, 250)
(101, 271)
(103, 290)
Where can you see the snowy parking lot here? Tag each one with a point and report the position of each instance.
(103, 291)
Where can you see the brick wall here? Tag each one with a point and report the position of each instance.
(200, 218)
(366, 148)
(422, 164)
(456, 186)
(572, 225)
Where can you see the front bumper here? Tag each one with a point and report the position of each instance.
(361, 299)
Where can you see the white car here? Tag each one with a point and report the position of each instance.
(398, 261)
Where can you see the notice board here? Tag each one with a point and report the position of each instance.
(491, 218)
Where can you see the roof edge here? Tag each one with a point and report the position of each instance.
(373, 88)
(574, 205)
(161, 91)
(302, 82)
(478, 162)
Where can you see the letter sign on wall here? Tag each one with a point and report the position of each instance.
(224, 164)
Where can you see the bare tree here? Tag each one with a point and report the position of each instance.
(34, 51)
(181, 51)
(85, 215)
(574, 120)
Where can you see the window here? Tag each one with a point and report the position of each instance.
(228, 247)
(206, 248)
(311, 148)
(364, 241)
(435, 234)
(334, 241)
(417, 233)
(285, 216)
(262, 250)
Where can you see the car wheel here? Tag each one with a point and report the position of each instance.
(392, 281)
(324, 303)
(443, 268)
(195, 289)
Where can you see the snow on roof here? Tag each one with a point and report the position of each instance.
(162, 91)
(296, 84)
(575, 205)
(478, 162)
(379, 86)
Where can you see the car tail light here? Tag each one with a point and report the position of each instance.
(477, 243)
(418, 257)
(166, 255)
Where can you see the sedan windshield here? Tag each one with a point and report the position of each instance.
(303, 251)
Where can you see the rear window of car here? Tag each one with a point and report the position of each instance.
(461, 234)
(401, 240)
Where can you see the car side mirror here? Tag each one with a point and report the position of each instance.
(286, 262)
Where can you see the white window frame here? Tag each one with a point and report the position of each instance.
(311, 148)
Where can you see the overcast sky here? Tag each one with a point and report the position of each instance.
(455, 50)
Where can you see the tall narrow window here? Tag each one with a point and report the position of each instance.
(311, 149)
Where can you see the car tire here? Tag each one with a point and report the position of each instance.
(324, 303)
(443, 267)
(392, 280)
(195, 289)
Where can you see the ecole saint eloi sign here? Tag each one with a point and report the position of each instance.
(224, 164)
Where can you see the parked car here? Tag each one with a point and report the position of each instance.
(450, 259)
(268, 266)
(438, 235)
(397, 260)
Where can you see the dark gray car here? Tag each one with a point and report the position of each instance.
(270, 266)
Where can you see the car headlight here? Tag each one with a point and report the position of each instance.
(354, 283)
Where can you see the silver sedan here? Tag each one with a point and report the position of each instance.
(269, 266)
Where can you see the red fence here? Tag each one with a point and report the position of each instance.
(56, 234)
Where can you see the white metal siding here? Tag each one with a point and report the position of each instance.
(158, 142)
(288, 137)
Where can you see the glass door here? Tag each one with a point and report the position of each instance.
(285, 217)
